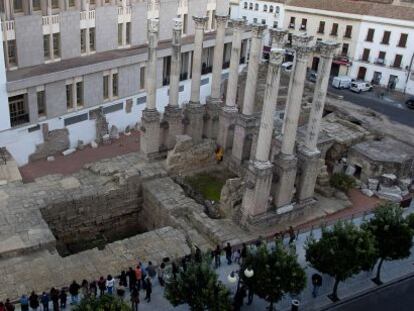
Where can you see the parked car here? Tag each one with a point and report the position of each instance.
(287, 66)
(410, 102)
(360, 86)
(342, 82)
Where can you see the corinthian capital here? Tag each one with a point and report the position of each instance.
(302, 45)
(238, 23)
(257, 30)
(278, 36)
(221, 20)
(276, 56)
(177, 28)
(200, 21)
(327, 48)
(153, 25)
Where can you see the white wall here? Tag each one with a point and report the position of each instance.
(4, 103)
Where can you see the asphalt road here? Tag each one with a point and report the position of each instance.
(396, 296)
(396, 111)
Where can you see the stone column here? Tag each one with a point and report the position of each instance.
(215, 101)
(246, 122)
(259, 178)
(194, 110)
(229, 112)
(150, 128)
(277, 37)
(309, 155)
(172, 115)
(286, 164)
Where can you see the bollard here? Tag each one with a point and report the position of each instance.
(295, 305)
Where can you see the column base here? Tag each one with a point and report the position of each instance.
(194, 120)
(227, 120)
(285, 169)
(256, 198)
(172, 124)
(309, 169)
(150, 134)
(243, 138)
(211, 118)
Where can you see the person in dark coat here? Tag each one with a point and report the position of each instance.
(8, 305)
(2, 306)
(63, 298)
(44, 299)
(175, 270)
(131, 279)
(54, 296)
(229, 253)
(24, 303)
(102, 286)
(148, 289)
(74, 293)
(93, 289)
(34, 301)
(217, 254)
(317, 283)
(135, 299)
(243, 253)
(123, 279)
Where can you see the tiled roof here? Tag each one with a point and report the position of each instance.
(357, 7)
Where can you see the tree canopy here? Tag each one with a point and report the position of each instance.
(103, 303)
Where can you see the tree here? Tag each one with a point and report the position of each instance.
(199, 287)
(341, 252)
(103, 303)
(392, 234)
(276, 273)
(342, 181)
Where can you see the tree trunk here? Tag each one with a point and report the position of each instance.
(378, 277)
(335, 290)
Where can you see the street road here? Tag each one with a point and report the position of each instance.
(396, 111)
(396, 296)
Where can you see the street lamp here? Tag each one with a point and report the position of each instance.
(235, 276)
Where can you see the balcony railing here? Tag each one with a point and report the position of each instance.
(50, 19)
(124, 10)
(85, 15)
(7, 25)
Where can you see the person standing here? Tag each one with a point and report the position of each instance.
(44, 299)
(132, 280)
(110, 283)
(138, 276)
(102, 286)
(34, 301)
(151, 270)
(161, 271)
(217, 259)
(229, 253)
(74, 293)
(24, 303)
(236, 256)
(148, 289)
(123, 279)
(63, 298)
(135, 299)
(175, 270)
(2, 306)
(317, 283)
(292, 235)
(243, 253)
(8, 305)
(54, 296)
(93, 289)
(85, 289)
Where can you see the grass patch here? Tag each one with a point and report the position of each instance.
(209, 184)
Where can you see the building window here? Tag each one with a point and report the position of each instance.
(19, 112)
(166, 70)
(255, 20)
(110, 84)
(106, 87)
(185, 24)
(365, 55)
(265, 8)
(386, 37)
(79, 94)
(403, 40)
(120, 34)
(46, 46)
(303, 24)
(245, 5)
(321, 28)
(334, 31)
(348, 32)
(115, 85)
(36, 5)
(69, 96)
(250, 6)
(91, 39)
(397, 61)
(41, 104)
(275, 24)
(292, 22)
(184, 66)
(142, 78)
(128, 33)
(56, 45)
(83, 40)
(18, 6)
(277, 9)
(256, 7)
(11, 52)
(72, 3)
(263, 22)
(370, 35)
(55, 4)
(271, 9)
(345, 49)
(381, 58)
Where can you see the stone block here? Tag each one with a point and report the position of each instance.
(94, 144)
(367, 192)
(68, 151)
(55, 141)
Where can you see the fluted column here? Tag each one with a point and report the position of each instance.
(277, 37)
(150, 129)
(309, 155)
(172, 116)
(286, 164)
(246, 122)
(259, 178)
(229, 112)
(214, 101)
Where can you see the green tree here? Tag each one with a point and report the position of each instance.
(198, 287)
(104, 303)
(410, 221)
(341, 252)
(276, 273)
(392, 234)
(342, 182)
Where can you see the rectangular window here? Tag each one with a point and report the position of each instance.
(36, 5)
(403, 40)
(69, 96)
(128, 33)
(321, 28)
(381, 58)
(397, 61)
(334, 31)
(56, 45)
(345, 48)
(46, 46)
(83, 40)
(106, 87)
(263, 22)
(365, 55)
(166, 70)
(55, 4)
(213, 20)
(72, 3)
(41, 104)
(115, 85)
(275, 24)
(292, 22)
(386, 37)
(79, 94)
(255, 20)
(348, 32)
(11, 52)
(370, 35)
(185, 23)
(19, 112)
(18, 6)
(91, 39)
(120, 34)
(304, 23)
(142, 78)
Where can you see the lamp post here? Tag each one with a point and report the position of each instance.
(233, 277)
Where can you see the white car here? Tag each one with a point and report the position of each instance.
(360, 86)
(287, 66)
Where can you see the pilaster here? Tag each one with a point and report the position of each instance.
(211, 117)
(245, 125)
(173, 125)
(285, 171)
(194, 117)
(227, 119)
(308, 163)
(150, 134)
